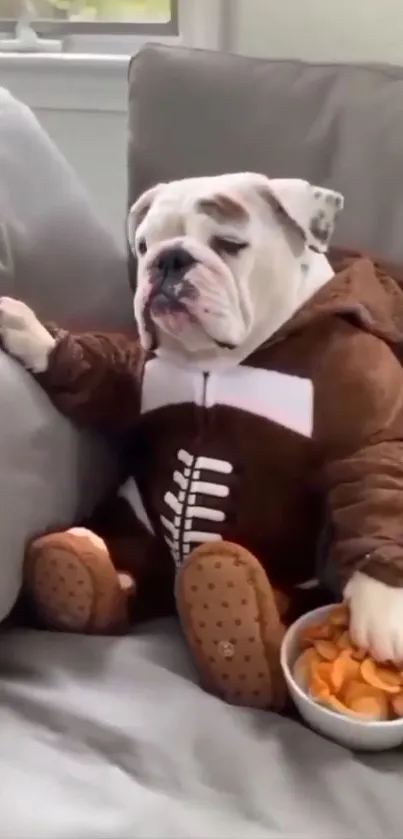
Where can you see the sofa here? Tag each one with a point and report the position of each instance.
(112, 737)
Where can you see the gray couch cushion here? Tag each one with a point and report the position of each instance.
(195, 112)
(50, 474)
(55, 252)
(113, 739)
(56, 255)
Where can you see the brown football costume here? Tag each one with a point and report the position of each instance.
(221, 499)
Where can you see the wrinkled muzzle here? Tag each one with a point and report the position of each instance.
(184, 287)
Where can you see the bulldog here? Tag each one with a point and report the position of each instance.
(233, 289)
(213, 255)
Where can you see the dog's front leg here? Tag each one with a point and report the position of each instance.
(23, 335)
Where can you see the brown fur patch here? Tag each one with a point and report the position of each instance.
(224, 208)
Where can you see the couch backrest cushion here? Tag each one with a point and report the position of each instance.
(196, 112)
(55, 251)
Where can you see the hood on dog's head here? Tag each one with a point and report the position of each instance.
(312, 209)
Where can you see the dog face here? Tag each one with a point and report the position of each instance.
(218, 257)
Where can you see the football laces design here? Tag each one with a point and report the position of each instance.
(195, 503)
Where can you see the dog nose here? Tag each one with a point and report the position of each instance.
(170, 286)
(174, 262)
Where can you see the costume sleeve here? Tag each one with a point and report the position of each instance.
(359, 429)
(95, 379)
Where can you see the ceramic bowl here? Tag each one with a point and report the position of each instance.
(347, 731)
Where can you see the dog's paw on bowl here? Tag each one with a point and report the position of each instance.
(343, 678)
(339, 690)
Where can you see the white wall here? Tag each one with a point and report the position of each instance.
(95, 144)
(323, 30)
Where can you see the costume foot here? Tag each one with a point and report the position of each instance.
(231, 620)
(73, 584)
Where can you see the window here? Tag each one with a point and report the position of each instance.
(110, 26)
(71, 22)
(73, 54)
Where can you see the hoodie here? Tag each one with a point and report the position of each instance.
(210, 463)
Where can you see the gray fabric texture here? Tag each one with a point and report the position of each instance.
(106, 738)
(57, 256)
(55, 252)
(50, 474)
(196, 113)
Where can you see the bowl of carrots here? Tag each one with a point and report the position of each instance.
(339, 690)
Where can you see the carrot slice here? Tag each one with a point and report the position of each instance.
(339, 616)
(344, 669)
(340, 669)
(326, 650)
(324, 672)
(303, 667)
(389, 676)
(397, 704)
(314, 632)
(318, 689)
(380, 677)
(358, 654)
(370, 707)
(336, 705)
(355, 689)
(343, 641)
(321, 679)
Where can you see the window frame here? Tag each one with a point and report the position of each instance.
(61, 28)
(90, 74)
(196, 23)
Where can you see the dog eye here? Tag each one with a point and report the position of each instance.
(142, 247)
(232, 247)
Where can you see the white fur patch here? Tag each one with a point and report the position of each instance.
(376, 617)
(23, 335)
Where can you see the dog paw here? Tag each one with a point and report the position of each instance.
(376, 617)
(23, 336)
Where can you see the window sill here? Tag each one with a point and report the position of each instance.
(89, 82)
(94, 78)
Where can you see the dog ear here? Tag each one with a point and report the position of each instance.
(138, 212)
(313, 209)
